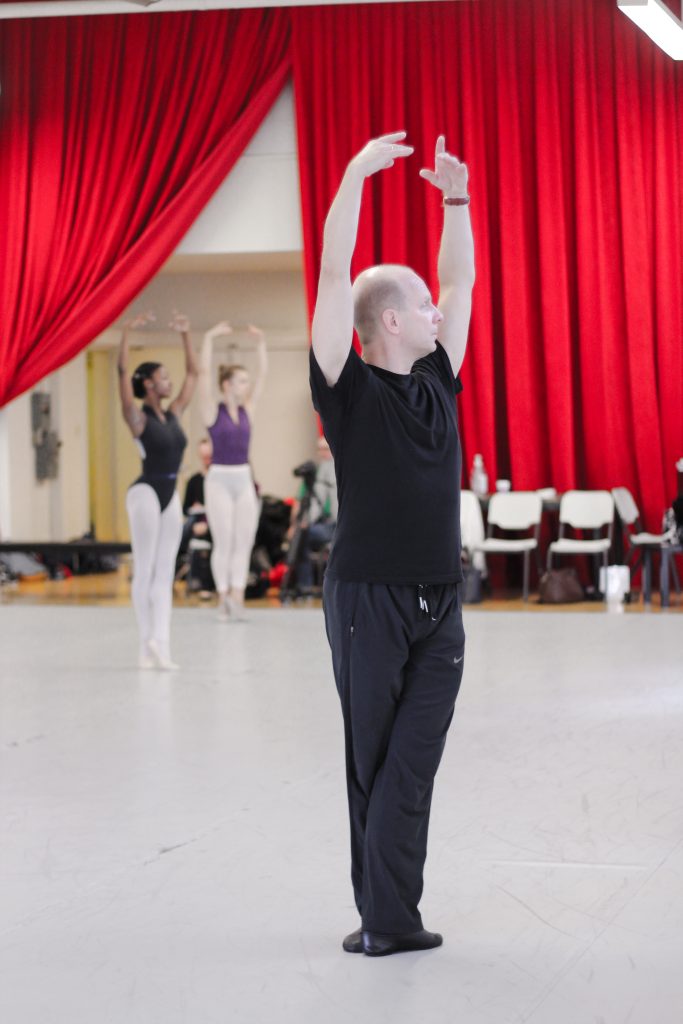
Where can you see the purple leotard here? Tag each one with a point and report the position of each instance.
(230, 440)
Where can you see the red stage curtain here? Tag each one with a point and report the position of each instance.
(114, 133)
(570, 121)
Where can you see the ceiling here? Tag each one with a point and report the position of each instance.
(62, 8)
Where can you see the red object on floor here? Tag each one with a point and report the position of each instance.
(276, 574)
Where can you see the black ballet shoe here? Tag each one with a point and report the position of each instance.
(353, 943)
(375, 944)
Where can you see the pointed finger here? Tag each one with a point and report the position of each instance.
(440, 146)
(429, 176)
(393, 137)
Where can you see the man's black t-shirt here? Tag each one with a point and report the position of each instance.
(394, 438)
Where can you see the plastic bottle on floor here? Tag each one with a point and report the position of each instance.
(479, 478)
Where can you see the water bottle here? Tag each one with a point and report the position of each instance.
(479, 478)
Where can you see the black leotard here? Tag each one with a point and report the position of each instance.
(163, 445)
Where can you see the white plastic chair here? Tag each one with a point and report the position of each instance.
(640, 543)
(514, 511)
(584, 510)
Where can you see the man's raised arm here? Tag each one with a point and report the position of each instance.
(333, 317)
(456, 254)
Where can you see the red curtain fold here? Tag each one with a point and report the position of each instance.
(114, 134)
(569, 119)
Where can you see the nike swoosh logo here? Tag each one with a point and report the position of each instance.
(456, 661)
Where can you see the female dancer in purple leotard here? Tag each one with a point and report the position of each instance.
(232, 506)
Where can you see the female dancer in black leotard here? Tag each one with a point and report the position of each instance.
(152, 501)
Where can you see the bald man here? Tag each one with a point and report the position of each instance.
(392, 591)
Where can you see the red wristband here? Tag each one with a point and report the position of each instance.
(456, 201)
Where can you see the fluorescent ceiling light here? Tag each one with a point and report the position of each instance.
(658, 22)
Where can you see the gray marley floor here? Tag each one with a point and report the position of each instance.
(174, 846)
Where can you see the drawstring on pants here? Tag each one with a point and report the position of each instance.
(425, 595)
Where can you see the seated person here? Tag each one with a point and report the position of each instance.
(196, 528)
(319, 521)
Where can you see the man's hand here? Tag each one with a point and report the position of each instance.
(449, 174)
(380, 154)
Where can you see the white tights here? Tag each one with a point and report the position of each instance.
(232, 510)
(155, 539)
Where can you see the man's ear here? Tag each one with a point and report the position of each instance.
(390, 321)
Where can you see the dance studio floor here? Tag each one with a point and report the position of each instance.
(174, 846)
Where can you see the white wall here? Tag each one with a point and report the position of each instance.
(70, 508)
(5, 494)
(242, 261)
(47, 509)
(27, 502)
(257, 208)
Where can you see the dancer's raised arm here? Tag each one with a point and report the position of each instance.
(132, 413)
(262, 372)
(456, 255)
(181, 324)
(333, 317)
(207, 401)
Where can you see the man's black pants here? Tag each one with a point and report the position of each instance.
(398, 656)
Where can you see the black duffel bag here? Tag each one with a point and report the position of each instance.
(560, 586)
